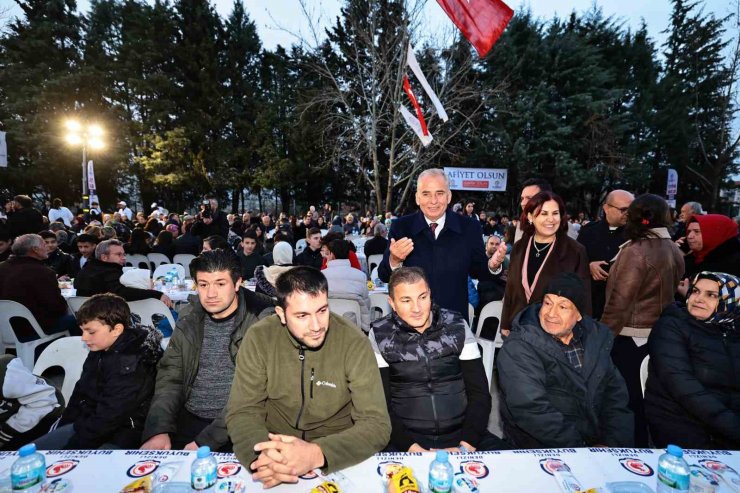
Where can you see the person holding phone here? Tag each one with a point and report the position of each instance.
(602, 239)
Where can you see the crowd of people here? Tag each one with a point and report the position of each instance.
(273, 375)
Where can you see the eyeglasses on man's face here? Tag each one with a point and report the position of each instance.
(622, 210)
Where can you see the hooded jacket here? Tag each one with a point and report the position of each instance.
(110, 400)
(692, 396)
(547, 402)
(331, 395)
(720, 246)
(179, 366)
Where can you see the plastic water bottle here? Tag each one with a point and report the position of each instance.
(203, 470)
(440, 473)
(28, 472)
(673, 471)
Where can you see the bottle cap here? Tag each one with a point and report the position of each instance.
(442, 455)
(675, 450)
(27, 450)
(204, 451)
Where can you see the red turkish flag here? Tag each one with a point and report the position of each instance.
(481, 21)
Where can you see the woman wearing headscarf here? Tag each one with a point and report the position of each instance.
(641, 283)
(692, 397)
(282, 256)
(713, 245)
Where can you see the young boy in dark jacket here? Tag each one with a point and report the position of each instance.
(111, 399)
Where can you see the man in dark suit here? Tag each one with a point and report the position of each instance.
(447, 246)
(602, 239)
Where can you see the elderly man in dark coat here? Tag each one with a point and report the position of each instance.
(559, 386)
(447, 246)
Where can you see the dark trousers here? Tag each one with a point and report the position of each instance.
(627, 357)
(188, 427)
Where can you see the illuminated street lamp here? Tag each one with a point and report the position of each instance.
(88, 136)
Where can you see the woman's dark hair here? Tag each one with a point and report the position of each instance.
(510, 234)
(302, 279)
(107, 308)
(139, 239)
(216, 260)
(534, 206)
(152, 226)
(164, 238)
(646, 212)
(56, 203)
(216, 242)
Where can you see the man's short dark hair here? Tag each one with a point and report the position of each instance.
(250, 234)
(329, 237)
(217, 242)
(107, 308)
(280, 236)
(47, 235)
(217, 260)
(543, 184)
(301, 279)
(87, 238)
(406, 275)
(312, 231)
(340, 249)
(24, 200)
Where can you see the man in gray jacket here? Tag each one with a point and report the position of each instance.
(194, 375)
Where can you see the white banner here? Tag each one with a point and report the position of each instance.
(671, 186)
(479, 179)
(91, 177)
(3, 151)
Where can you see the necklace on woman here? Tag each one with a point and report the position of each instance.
(538, 251)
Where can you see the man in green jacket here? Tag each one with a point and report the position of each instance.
(194, 375)
(307, 392)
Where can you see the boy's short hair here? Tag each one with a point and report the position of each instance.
(107, 308)
(250, 234)
(312, 231)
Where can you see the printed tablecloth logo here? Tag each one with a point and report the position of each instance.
(636, 466)
(309, 475)
(228, 468)
(550, 465)
(383, 468)
(474, 468)
(61, 467)
(143, 468)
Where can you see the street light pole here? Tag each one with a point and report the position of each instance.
(84, 172)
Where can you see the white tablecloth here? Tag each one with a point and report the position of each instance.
(501, 472)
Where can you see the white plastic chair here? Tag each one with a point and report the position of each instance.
(487, 354)
(644, 373)
(75, 302)
(379, 303)
(184, 259)
(373, 261)
(324, 232)
(345, 307)
(26, 351)
(138, 261)
(163, 269)
(157, 259)
(492, 309)
(471, 313)
(68, 353)
(300, 245)
(146, 309)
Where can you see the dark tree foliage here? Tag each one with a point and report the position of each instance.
(193, 104)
